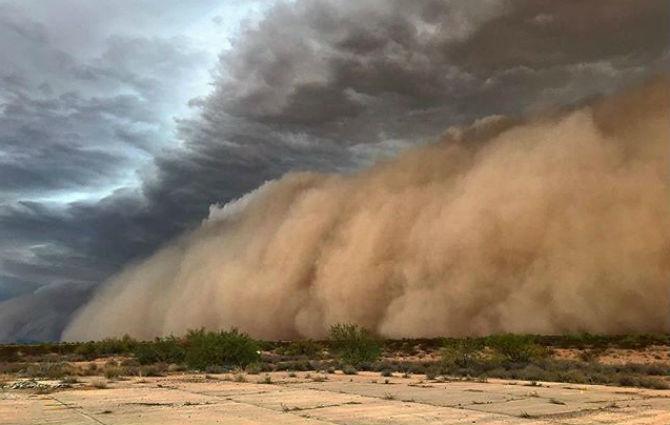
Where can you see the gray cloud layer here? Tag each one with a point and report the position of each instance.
(315, 85)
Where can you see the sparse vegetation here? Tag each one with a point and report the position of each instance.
(69, 380)
(305, 347)
(165, 350)
(231, 348)
(99, 384)
(516, 348)
(114, 372)
(354, 344)
(349, 370)
(57, 370)
(351, 348)
(254, 368)
(106, 347)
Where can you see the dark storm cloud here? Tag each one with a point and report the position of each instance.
(546, 33)
(40, 315)
(67, 122)
(322, 85)
(83, 107)
(362, 72)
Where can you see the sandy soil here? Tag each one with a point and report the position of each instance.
(310, 398)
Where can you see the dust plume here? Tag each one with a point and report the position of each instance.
(558, 224)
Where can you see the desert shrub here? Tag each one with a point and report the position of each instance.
(69, 380)
(432, 373)
(301, 365)
(366, 366)
(418, 368)
(627, 381)
(254, 368)
(9, 353)
(531, 372)
(516, 348)
(349, 370)
(231, 348)
(114, 372)
(87, 350)
(305, 347)
(586, 340)
(91, 369)
(11, 368)
(387, 372)
(653, 383)
(48, 370)
(99, 384)
(461, 353)
(354, 344)
(216, 369)
(574, 376)
(591, 354)
(164, 350)
(151, 370)
(106, 347)
(129, 362)
(109, 346)
(174, 367)
(320, 378)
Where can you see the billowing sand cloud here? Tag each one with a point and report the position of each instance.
(560, 224)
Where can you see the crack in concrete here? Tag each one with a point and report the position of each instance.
(78, 410)
(229, 398)
(320, 406)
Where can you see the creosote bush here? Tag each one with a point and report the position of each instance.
(108, 346)
(354, 344)
(160, 350)
(516, 348)
(225, 348)
(462, 352)
(305, 347)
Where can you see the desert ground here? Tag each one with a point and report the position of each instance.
(352, 378)
(315, 398)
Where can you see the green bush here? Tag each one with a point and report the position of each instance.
(462, 352)
(354, 344)
(516, 348)
(106, 347)
(254, 368)
(161, 350)
(305, 347)
(231, 348)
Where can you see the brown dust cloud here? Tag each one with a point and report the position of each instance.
(557, 224)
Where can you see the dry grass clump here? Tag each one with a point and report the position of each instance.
(99, 384)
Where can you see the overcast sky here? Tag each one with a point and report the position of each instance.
(122, 121)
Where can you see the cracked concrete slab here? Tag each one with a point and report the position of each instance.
(363, 399)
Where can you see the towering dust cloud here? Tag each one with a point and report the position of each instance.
(561, 224)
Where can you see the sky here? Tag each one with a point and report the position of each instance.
(123, 122)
